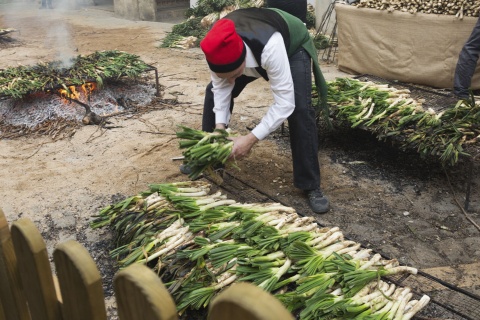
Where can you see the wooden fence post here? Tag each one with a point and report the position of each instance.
(2, 314)
(246, 301)
(35, 271)
(13, 301)
(80, 283)
(141, 294)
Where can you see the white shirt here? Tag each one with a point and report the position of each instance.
(275, 62)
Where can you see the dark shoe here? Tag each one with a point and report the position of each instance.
(318, 202)
(185, 169)
(462, 97)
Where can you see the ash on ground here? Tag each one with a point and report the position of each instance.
(37, 108)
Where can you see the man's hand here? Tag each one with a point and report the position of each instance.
(242, 145)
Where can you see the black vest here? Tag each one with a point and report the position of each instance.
(256, 26)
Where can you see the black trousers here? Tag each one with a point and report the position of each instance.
(467, 63)
(301, 123)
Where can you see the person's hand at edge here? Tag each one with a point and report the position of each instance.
(242, 145)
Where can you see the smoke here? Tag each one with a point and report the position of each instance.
(23, 16)
(60, 38)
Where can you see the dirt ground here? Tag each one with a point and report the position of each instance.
(385, 199)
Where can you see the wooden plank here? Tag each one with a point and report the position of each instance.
(57, 288)
(80, 283)
(246, 301)
(2, 314)
(35, 271)
(12, 297)
(141, 294)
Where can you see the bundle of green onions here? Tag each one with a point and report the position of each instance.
(389, 112)
(200, 242)
(204, 151)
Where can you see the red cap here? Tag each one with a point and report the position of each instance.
(223, 47)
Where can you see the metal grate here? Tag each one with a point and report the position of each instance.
(54, 89)
(447, 301)
(437, 99)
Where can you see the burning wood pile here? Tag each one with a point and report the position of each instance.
(200, 242)
(35, 95)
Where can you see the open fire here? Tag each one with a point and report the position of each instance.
(74, 103)
(71, 94)
(74, 92)
(30, 95)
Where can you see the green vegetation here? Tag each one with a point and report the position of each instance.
(392, 114)
(20, 81)
(201, 242)
(189, 33)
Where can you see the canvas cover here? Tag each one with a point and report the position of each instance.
(415, 48)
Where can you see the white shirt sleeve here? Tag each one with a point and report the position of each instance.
(275, 62)
(222, 93)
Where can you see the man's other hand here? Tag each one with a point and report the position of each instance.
(242, 145)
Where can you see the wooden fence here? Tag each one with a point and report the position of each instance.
(30, 291)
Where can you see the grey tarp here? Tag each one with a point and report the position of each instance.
(416, 48)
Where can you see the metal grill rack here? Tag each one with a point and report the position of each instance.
(438, 100)
(447, 301)
(54, 89)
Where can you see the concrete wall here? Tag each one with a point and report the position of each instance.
(136, 9)
(320, 6)
(147, 9)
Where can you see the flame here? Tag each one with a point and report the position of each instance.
(89, 87)
(71, 92)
